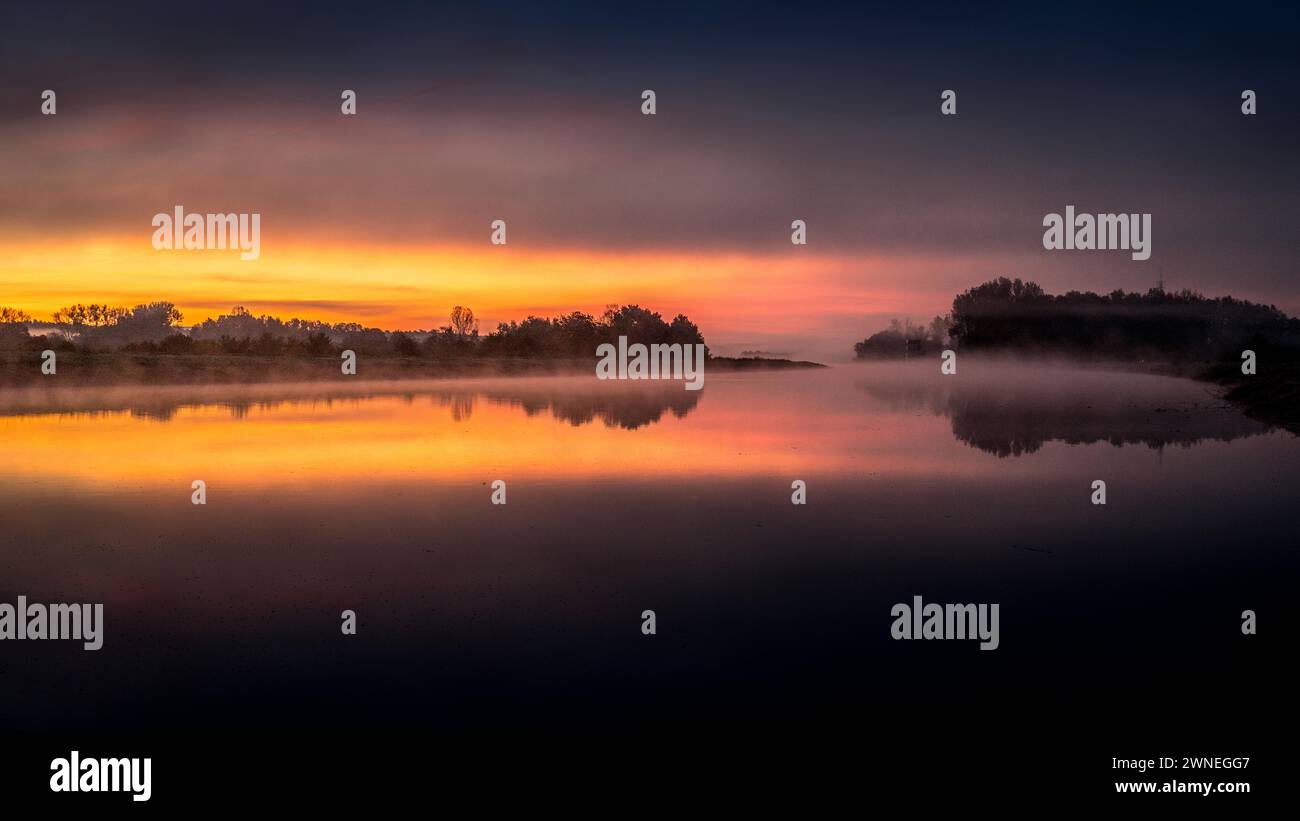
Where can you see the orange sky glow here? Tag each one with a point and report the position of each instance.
(732, 296)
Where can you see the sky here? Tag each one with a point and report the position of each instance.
(531, 113)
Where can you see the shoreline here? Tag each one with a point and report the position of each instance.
(1272, 395)
(121, 369)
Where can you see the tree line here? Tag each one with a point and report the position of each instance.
(155, 328)
(1011, 315)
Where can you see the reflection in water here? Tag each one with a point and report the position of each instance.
(576, 401)
(885, 420)
(312, 434)
(375, 497)
(627, 409)
(1013, 411)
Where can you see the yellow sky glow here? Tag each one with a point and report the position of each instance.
(396, 287)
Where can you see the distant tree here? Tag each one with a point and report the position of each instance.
(152, 322)
(13, 316)
(938, 332)
(99, 316)
(13, 328)
(268, 344)
(577, 334)
(637, 324)
(1186, 326)
(463, 322)
(685, 332)
(371, 341)
(318, 344)
(903, 338)
(152, 315)
(238, 324)
(177, 344)
(403, 345)
(74, 315)
(93, 315)
(153, 328)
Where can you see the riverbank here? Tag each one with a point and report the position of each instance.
(77, 368)
(1271, 395)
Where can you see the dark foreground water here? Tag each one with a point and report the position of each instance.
(1123, 619)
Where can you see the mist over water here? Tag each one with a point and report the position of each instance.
(625, 496)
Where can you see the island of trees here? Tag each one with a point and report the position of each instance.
(156, 328)
(104, 343)
(1183, 333)
(1013, 316)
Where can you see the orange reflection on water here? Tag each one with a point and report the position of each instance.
(558, 429)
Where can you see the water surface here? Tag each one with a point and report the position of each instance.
(623, 497)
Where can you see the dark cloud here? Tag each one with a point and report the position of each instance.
(767, 112)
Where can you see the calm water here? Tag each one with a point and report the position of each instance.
(375, 497)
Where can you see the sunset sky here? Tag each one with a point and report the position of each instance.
(532, 115)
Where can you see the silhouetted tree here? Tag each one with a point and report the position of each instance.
(902, 339)
(13, 329)
(152, 328)
(143, 323)
(463, 322)
(1185, 325)
(93, 315)
(403, 345)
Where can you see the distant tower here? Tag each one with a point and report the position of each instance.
(1160, 283)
